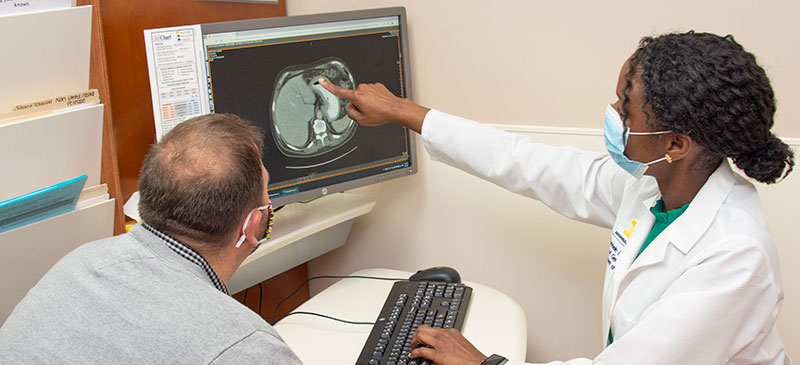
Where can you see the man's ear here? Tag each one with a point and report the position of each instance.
(252, 227)
(679, 146)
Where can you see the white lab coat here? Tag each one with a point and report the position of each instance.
(706, 291)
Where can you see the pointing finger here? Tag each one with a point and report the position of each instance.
(337, 90)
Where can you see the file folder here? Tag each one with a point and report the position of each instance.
(46, 54)
(40, 204)
(48, 149)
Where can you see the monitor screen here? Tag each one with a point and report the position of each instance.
(266, 71)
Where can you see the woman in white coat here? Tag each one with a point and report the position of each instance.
(692, 274)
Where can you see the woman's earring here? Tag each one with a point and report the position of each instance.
(668, 157)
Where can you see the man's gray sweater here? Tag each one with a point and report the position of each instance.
(130, 299)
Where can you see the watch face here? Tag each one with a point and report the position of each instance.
(495, 359)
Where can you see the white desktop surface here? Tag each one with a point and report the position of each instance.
(494, 324)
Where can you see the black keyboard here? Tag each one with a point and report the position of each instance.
(409, 305)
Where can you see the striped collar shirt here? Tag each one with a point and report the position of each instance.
(189, 254)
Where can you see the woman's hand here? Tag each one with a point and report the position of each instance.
(444, 346)
(373, 105)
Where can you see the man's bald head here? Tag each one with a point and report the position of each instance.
(202, 178)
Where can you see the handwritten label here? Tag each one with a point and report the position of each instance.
(10, 7)
(59, 102)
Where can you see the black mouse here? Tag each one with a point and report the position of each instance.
(438, 273)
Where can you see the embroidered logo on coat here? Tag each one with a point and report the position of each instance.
(629, 231)
(618, 242)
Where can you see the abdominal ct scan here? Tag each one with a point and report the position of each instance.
(307, 120)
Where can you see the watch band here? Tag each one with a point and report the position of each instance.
(495, 359)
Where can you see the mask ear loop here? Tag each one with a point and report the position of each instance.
(244, 235)
(666, 157)
(241, 239)
(655, 161)
(648, 133)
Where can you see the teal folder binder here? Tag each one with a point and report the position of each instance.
(41, 204)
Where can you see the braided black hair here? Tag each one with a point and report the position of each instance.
(710, 88)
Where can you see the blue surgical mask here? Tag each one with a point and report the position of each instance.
(617, 138)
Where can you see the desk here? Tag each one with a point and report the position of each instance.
(494, 323)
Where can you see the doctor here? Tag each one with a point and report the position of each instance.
(692, 275)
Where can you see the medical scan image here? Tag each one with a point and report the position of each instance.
(307, 120)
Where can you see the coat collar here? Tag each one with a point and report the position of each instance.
(695, 221)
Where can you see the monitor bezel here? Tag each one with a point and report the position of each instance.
(277, 22)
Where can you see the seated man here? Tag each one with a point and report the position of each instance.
(157, 294)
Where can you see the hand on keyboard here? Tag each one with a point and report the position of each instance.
(444, 347)
(409, 305)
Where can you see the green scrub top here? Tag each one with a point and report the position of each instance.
(663, 220)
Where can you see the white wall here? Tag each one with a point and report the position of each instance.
(556, 62)
(530, 64)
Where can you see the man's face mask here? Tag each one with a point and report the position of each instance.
(616, 136)
(270, 217)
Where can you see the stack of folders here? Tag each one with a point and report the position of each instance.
(51, 198)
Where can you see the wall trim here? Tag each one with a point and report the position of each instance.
(541, 129)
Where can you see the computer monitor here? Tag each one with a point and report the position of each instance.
(265, 71)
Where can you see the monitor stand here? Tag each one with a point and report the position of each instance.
(302, 232)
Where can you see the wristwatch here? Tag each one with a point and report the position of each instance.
(495, 359)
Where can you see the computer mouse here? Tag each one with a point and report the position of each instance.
(438, 273)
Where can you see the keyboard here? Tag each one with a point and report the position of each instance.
(409, 305)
